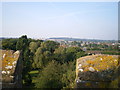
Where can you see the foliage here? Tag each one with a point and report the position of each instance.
(44, 54)
(23, 45)
(55, 64)
(33, 46)
(38, 59)
(111, 53)
(9, 44)
(56, 75)
(60, 55)
(63, 55)
(68, 78)
(80, 54)
(50, 76)
(49, 46)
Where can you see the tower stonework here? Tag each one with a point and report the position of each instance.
(96, 71)
(11, 69)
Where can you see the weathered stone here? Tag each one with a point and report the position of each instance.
(96, 68)
(11, 69)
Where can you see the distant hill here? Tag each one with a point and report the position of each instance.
(78, 39)
(1, 38)
(70, 39)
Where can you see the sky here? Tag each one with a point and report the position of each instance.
(88, 20)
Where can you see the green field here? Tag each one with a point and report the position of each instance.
(34, 74)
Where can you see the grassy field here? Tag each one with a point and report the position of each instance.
(33, 74)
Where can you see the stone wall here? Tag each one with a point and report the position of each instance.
(12, 63)
(96, 71)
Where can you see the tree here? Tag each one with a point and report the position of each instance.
(73, 49)
(38, 58)
(68, 77)
(80, 54)
(47, 56)
(9, 44)
(74, 43)
(49, 45)
(23, 45)
(33, 46)
(71, 53)
(44, 54)
(50, 76)
(41, 58)
(60, 54)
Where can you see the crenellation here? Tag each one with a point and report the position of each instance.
(11, 62)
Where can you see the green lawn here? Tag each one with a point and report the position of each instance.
(34, 74)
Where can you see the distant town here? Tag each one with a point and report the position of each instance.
(90, 45)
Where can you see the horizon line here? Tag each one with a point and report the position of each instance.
(62, 37)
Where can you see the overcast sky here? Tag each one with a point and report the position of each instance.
(60, 19)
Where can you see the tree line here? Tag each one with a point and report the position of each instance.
(56, 65)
